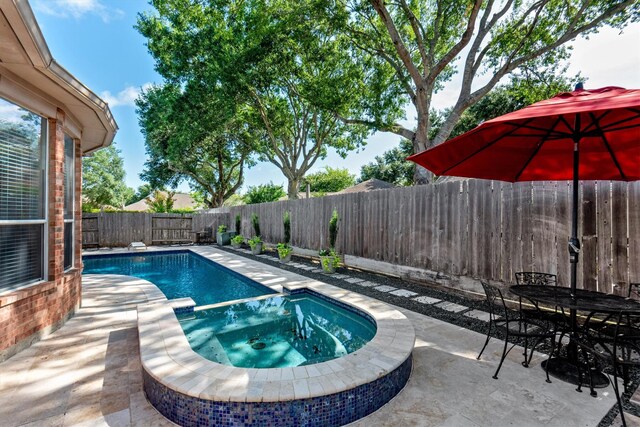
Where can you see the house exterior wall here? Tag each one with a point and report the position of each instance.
(32, 312)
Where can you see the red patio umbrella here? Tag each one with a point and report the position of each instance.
(584, 134)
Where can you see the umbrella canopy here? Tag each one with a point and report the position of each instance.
(584, 134)
(536, 143)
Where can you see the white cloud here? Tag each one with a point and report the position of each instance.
(78, 9)
(126, 97)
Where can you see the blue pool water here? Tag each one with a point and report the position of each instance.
(178, 275)
(276, 332)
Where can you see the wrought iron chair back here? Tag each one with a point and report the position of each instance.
(633, 291)
(536, 278)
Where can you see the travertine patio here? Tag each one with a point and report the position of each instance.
(88, 373)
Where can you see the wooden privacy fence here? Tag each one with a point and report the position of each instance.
(474, 228)
(477, 228)
(121, 228)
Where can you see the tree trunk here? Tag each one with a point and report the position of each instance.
(292, 188)
(421, 175)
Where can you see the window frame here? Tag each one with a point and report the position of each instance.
(73, 203)
(44, 223)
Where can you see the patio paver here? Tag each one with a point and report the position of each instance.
(403, 293)
(385, 288)
(478, 314)
(427, 300)
(452, 306)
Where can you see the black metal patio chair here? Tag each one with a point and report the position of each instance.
(515, 325)
(620, 350)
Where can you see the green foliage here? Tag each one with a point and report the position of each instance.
(264, 193)
(222, 228)
(160, 201)
(142, 192)
(333, 229)
(194, 134)
(330, 260)
(392, 166)
(256, 224)
(284, 249)
(286, 222)
(254, 242)
(238, 223)
(329, 180)
(103, 180)
(280, 63)
(415, 48)
(237, 239)
(234, 200)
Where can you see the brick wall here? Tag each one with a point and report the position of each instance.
(32, 312)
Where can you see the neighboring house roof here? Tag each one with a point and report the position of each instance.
(369, 185)
(26, 65)
(180, 201)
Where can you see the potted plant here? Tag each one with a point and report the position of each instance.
(223, 237)
(237, 241)
(285, 249)
(284, 252)
(256, 245)
(329, 258)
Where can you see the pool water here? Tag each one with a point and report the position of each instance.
(276, 332)
(179, 275)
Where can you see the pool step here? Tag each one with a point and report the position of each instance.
(238, 301)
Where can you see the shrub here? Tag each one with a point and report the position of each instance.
(286, 221)
(222, 228)
(253, 242)
(238, 223)
(333, 229)
(238, 239)
(256, 224)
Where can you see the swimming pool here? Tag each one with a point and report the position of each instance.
(179, 274)
(277, 332)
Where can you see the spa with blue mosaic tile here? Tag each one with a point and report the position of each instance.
(193, 391)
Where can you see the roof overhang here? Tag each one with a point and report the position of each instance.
(30, 77)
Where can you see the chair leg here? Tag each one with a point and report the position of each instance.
(504, 355)
(486, 341)
(617, 391)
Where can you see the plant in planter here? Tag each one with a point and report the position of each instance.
(329, 258)
(237, 241)
(284, 249)
(284, 252)
(223, 237)
(256, 245)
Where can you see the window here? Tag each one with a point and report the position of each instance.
(69, 181)
(23, 193)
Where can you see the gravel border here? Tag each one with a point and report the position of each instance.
(431, 310)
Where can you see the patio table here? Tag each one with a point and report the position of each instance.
(584, 301)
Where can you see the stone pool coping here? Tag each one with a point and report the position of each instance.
(167, 357)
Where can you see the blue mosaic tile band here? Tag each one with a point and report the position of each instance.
(324, 411)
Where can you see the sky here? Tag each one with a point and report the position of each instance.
(96, 41)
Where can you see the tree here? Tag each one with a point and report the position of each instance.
(290, 71)
(264, 193)
(193, 134)
(329, 180)
(392, 166)
(522, 90)
(424, 44)
(142, 192)
(103, 180)
(160, 201)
